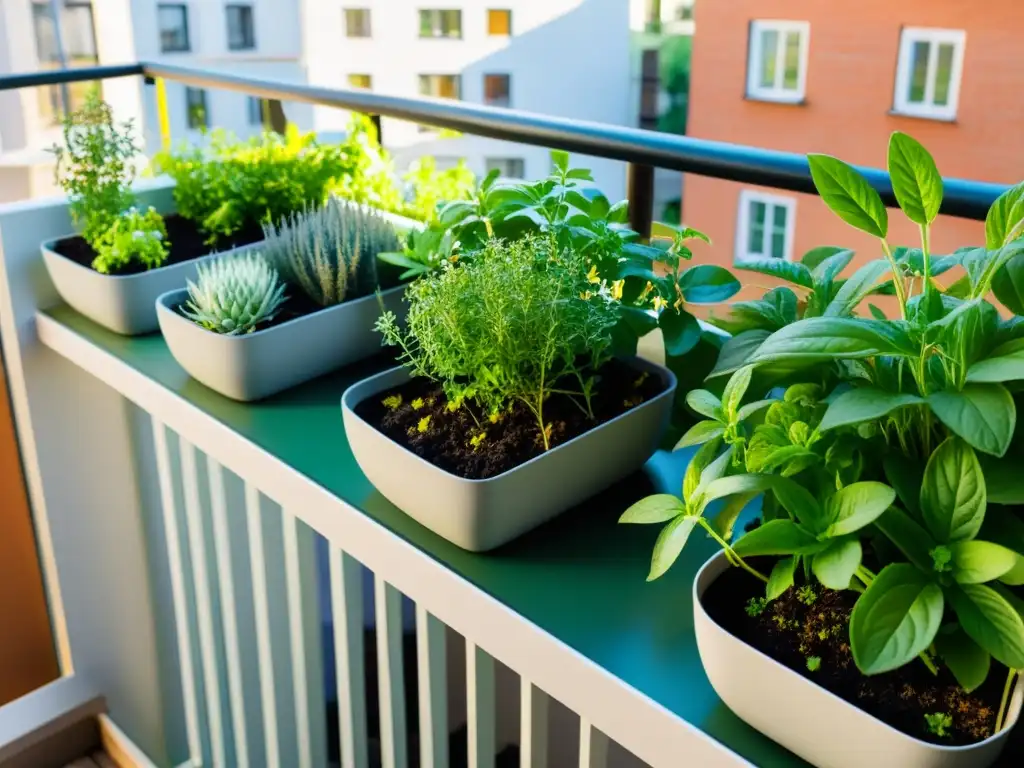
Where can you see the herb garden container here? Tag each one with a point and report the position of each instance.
(481, 514)
(125, 304)
(259, 364)
(811, 721)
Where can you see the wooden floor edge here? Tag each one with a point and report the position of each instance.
(121, 749)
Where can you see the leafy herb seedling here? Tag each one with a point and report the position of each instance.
(938, 723)
(813, 663)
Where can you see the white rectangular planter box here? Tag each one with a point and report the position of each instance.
(809, 720)
(256, 365)
(479, 515)
(125, 304)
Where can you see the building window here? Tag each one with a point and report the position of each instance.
(241, 28)
(499, 23)
(195, 108)
(79, 36)
(361, 81)
(508, 167)
(440, 23)
(357, 22)
(498, 90)
(173, 21)
(255, 107)
(928, 74)
(777, 64)
(441, 86)
(764, 226)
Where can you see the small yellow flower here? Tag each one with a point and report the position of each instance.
(646, 291)
(592, 276)
(424, 425)
(417, 403)
(640, 380)
(659, 303)
(392, 402)
(617, 289)
(495, 417)
(477, 439)
(586, 295)
(453, 406)
(633, 401)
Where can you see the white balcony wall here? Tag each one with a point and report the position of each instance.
(567, 58)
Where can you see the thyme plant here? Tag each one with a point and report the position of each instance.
(517, 324)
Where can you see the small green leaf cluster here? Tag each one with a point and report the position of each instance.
(516, 324)
(893, 443)
(94, 167)
(429, 188)
(133, 236)
(232, 185)
(234, 295)
(330, 252)
(938, 723)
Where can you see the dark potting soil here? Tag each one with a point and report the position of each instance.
(470, 445)
(186, 239)
(791, 631)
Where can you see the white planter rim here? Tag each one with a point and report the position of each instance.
(169, 302)
(668, 380)
(717, 564)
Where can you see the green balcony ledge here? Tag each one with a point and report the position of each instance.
(581, 577)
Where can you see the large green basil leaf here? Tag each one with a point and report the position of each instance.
(724, 520)
(736, 484)
(791, 271)
(990, 621)
(1004, 527)
(829, 268)
(864, 404)
(1005, 220)
(857, 288)
(670, 543)
(825, 338)
(777, 537)
(778, 307)
(984, 415)
(800, 503)
(910, 538)
(953, 493)
(737, 351)
(680, 330)
(915, 179)
(781, 577)
(816, 256)
(709, 475)
(704, 456)
(1008, 285)
(708, 284)
(849, 195)
(976, 562)
(857, 505)
(700, 433)
(835, 565)
(905, 475)
(659, 508)
(705, 403)
(1004, 363)
(895, 619)
(735, 389)
(967, 660)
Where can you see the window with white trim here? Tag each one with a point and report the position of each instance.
(777, 61)
(928, 72)
(508, 167)
(764, 226)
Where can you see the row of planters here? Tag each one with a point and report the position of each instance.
(872, 611)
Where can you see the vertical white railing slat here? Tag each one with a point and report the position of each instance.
(347, 611)
(204, 609)
(390, 675)
(174, 558)
(480, 706)
(300, 685)
(262, 615)
(433, 690)
(226, 584)
(533, 723)
(593, 746)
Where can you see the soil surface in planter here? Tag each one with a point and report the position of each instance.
(187, 243)
(469, 445)
(802, 625)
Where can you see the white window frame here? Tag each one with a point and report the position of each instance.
(749, 196)
(935, 37)
(503, 164)
(777, 92)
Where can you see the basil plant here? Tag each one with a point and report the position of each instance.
(883, 448)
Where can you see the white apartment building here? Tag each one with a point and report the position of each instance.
(559, 57)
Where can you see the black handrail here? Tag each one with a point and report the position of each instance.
(750, 165)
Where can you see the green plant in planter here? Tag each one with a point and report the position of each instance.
(330, 252)
(94, 166)
(889, 444)
(516, 324)
(234, 295)
(431, 188)
(132, 236)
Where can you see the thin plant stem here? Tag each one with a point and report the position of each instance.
(897, 279)
(730, 553)
(1001, 717)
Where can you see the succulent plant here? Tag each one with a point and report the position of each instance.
(234, 294)
(330, 252)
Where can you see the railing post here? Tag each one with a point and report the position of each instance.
(640, 178)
